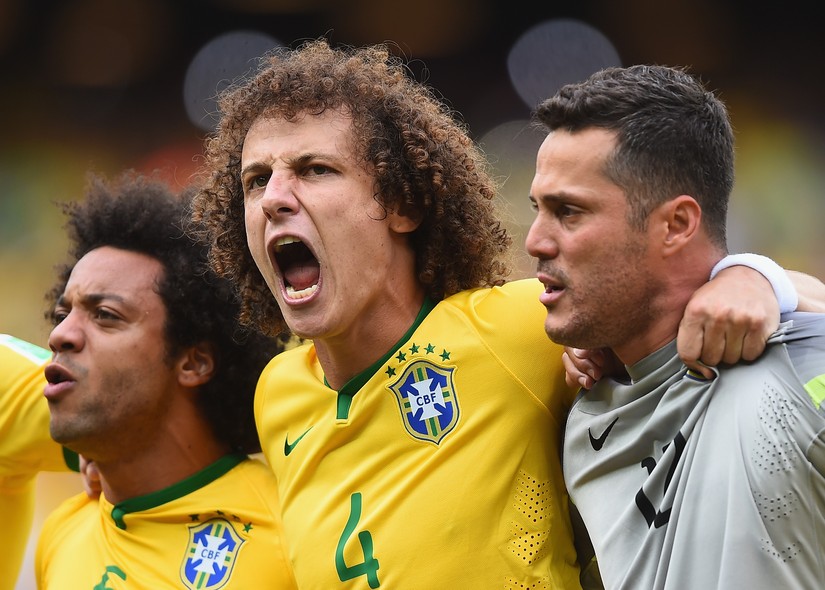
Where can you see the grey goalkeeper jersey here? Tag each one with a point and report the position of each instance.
(685, 483)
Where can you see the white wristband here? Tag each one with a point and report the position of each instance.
(782, 286)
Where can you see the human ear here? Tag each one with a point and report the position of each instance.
(402, 224)
(196, 365)
(681, 219)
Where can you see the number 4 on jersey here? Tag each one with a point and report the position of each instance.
(369, 567)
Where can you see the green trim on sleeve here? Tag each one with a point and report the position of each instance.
(177, 490)
(816, 389)
(71, 459)
(33, 352)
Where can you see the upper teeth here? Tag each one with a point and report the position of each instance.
(281, 242)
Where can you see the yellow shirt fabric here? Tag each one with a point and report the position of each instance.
(220, 528)
(438, 467)
(25, 447)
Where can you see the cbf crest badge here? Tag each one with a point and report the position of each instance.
(427, 399)
(210, 555)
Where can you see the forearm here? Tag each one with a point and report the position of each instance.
(810, 289)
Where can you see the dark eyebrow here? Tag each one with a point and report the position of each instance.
(94, 298)
(252, 167)
(304, 158)
(557, 197)
(297, 161)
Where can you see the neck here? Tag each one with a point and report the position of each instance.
(667, 314)
(178, 450)
(344, 356)
(667, 308)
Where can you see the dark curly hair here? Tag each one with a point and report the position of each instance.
(141, 214)
(672, 137)
(425, 166)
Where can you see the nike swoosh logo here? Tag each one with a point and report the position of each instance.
(289, 447)
(598, 442)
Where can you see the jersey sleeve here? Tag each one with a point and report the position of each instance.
(513, 318)
(805, 335)
(26, 447)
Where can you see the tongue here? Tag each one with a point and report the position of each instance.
(303, 275)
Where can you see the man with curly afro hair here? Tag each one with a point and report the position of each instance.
(152, 380)
(415, 436)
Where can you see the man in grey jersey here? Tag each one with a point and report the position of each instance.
(683, 481)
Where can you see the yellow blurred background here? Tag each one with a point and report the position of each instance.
(95, 84)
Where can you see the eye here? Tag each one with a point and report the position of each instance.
(104, 314)
(255, 182)
(58, 315)
(259, 181)
(566, 211)
(317, 170)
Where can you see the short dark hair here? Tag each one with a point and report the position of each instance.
(142, 214)
(423, 160)
(673, 137)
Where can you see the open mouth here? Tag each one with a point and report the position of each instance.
(55, 374)
(299, 267)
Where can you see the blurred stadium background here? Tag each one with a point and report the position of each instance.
(107, 85)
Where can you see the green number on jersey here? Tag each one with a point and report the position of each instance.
(110, 569)
(369, 567)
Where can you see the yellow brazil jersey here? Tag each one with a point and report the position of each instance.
(25, 446)
(217, 529)
(439, 466)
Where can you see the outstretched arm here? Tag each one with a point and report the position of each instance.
(728, 319)
(811, 291)
(731, 317)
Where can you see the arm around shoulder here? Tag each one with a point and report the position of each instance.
(811, 291)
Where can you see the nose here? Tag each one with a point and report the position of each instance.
(540, 242)
(279, 198)
(67, 335)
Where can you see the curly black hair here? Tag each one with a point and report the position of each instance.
(425, 164)
(139, 213)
